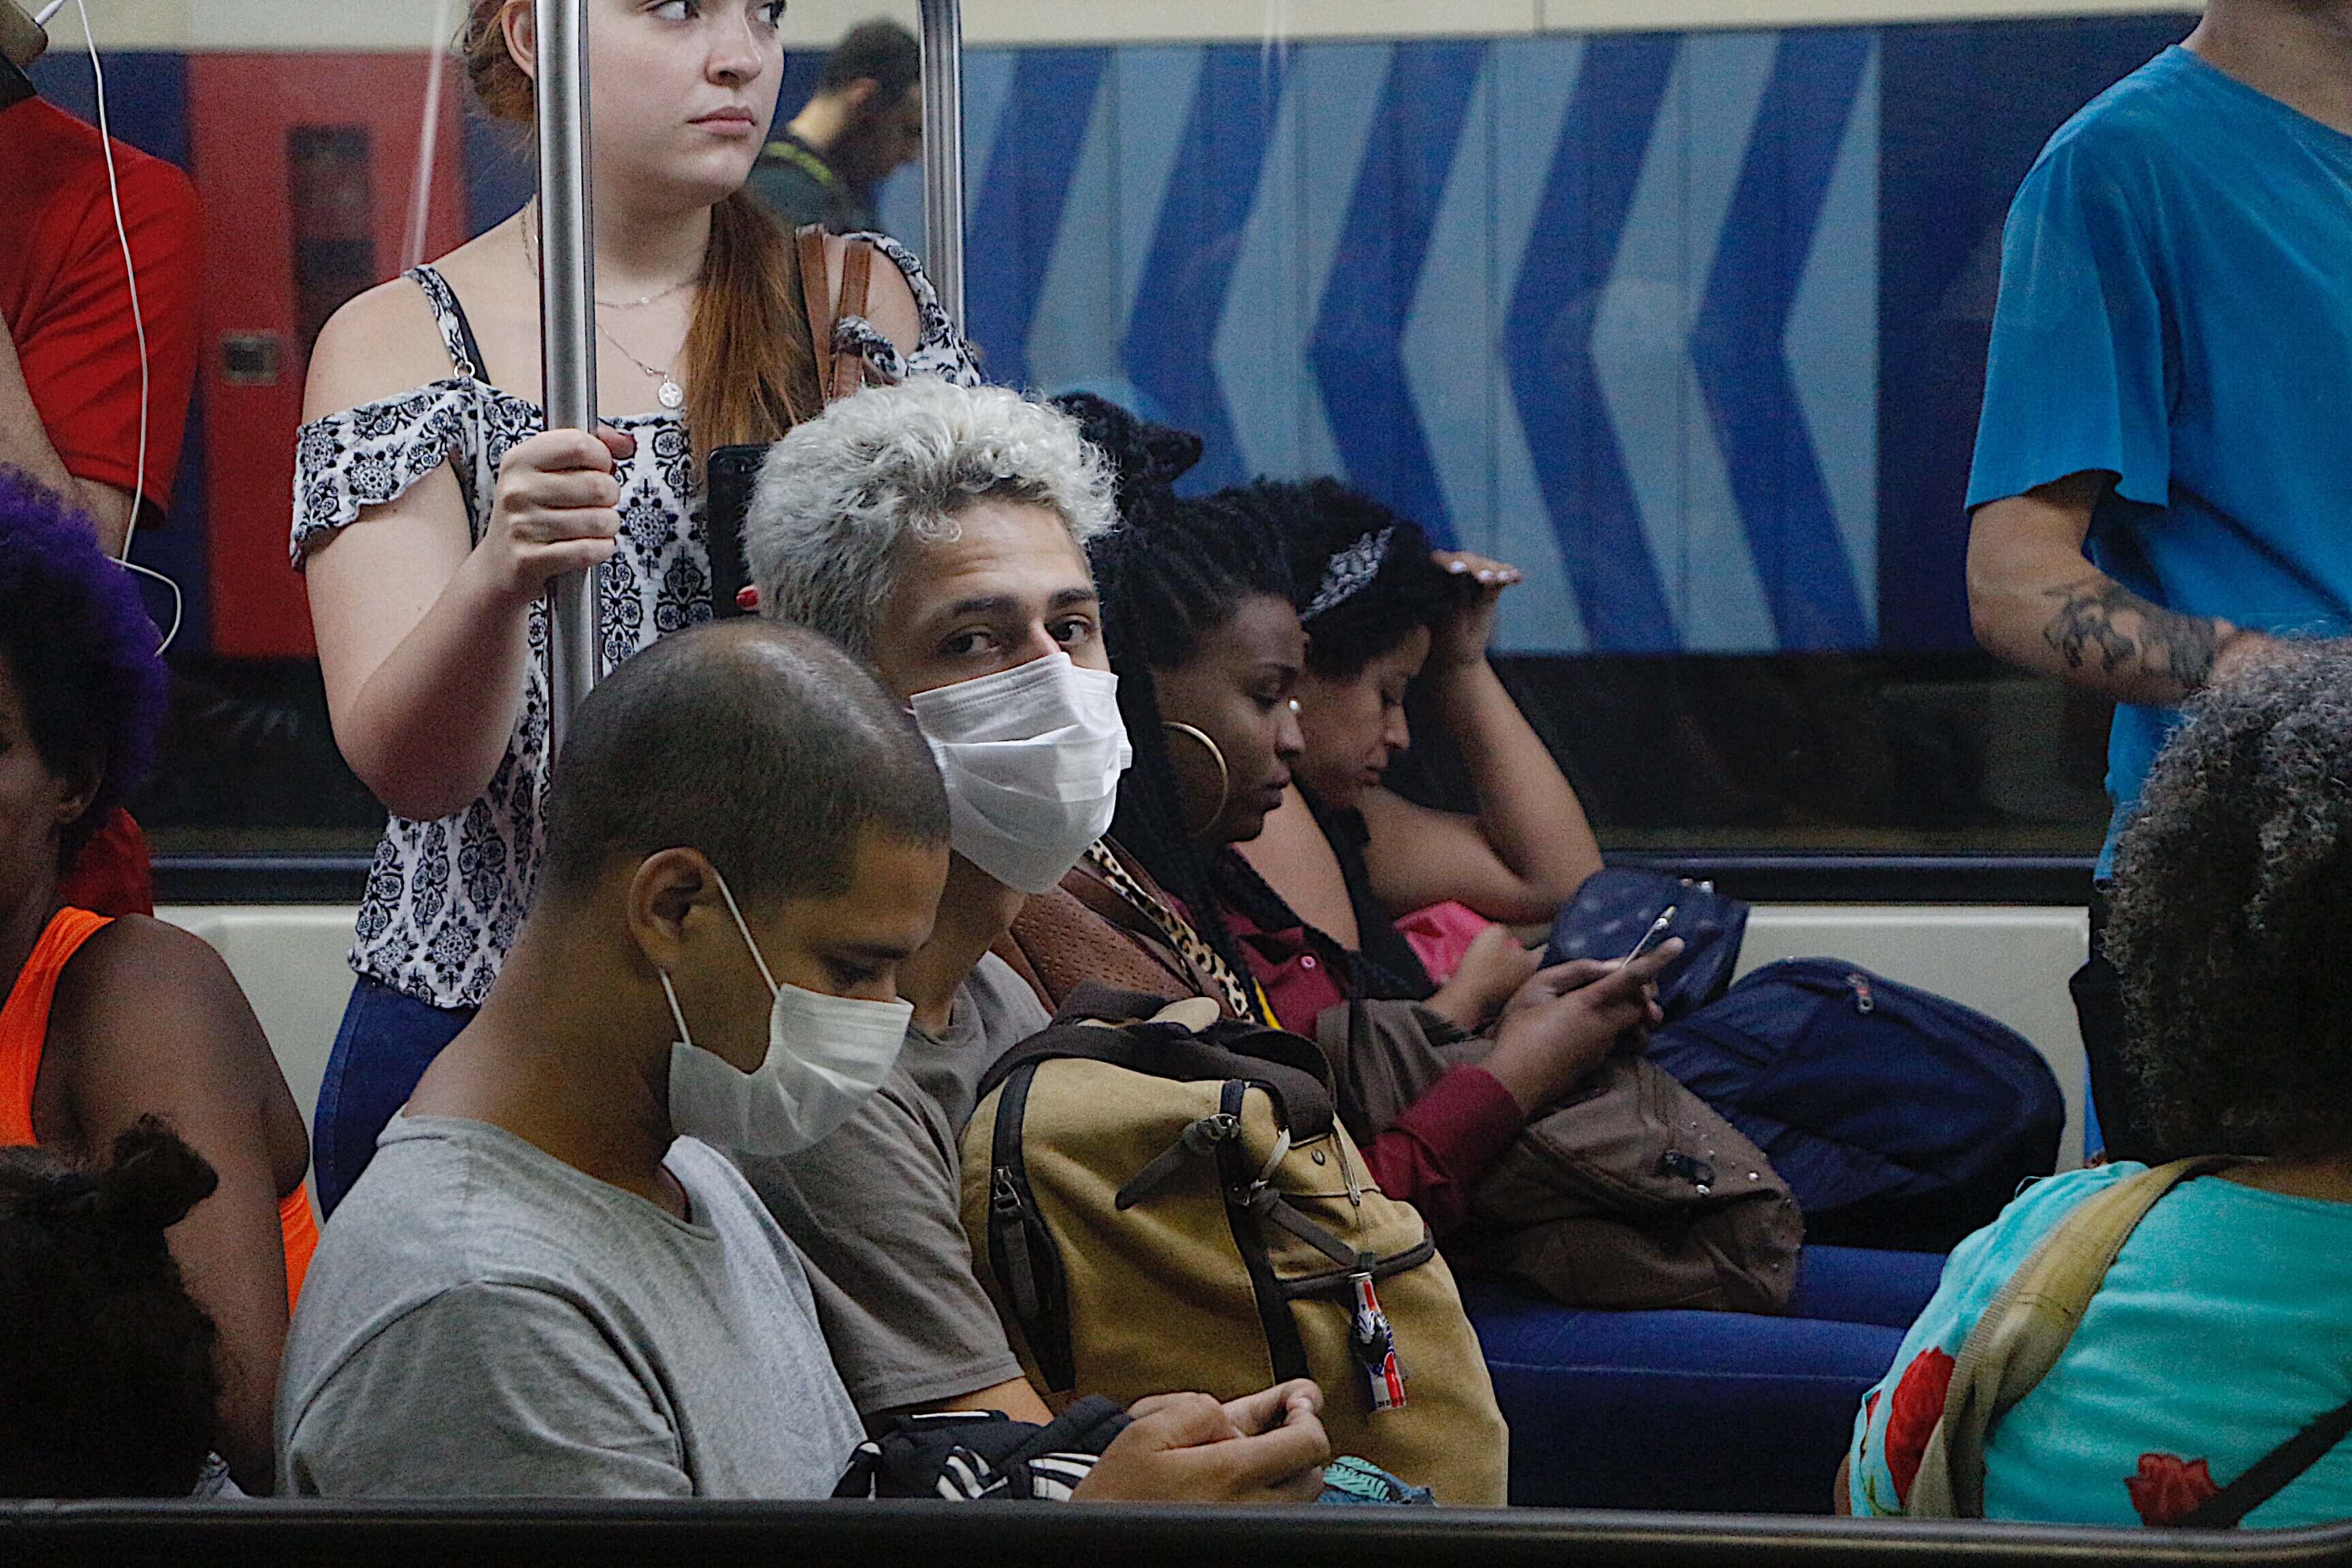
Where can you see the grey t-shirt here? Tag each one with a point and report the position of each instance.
(876, 1208)
(484, 1321)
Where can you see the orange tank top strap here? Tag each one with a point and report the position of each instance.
(25, 1016)
(300, 1226)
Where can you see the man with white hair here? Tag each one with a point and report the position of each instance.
(938, 533)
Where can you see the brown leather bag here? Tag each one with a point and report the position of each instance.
(1632, 1195)
(1085, 930)
(838, 374)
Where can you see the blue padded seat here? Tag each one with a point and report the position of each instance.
(1697, 1411)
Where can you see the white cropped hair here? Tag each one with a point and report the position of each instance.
(838, 493)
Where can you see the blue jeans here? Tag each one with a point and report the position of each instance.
(1707, 1411)
(387, 1040)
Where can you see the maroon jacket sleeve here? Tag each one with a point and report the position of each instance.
(1433, 1154)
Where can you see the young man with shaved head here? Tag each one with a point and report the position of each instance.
(549, 1282)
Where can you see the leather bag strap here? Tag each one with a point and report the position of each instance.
(857, 274)
(1301, 1097)
(816, 300)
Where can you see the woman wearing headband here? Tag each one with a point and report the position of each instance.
(1346, 860)
(431, 511)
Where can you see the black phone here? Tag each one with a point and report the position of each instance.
(734, 473)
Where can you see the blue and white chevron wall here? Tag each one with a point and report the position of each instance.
(1604, 308)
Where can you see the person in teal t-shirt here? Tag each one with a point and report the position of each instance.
(2163, 478)
(2224, 1327)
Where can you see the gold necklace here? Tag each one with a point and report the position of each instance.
(658, 294)
(670, 394)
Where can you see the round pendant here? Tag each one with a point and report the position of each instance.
(672, 394)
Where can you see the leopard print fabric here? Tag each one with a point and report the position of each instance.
(1240, 998)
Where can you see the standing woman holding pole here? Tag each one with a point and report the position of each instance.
(432, 509)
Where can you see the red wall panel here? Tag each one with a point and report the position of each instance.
(241, 108)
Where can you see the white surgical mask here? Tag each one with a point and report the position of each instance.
(826, 1055)
(1031, 757)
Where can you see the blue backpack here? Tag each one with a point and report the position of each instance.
(1899, 1118)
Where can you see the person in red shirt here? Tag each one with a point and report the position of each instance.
(71, 381)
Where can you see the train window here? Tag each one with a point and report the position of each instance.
(1687, 322)
(327, 169)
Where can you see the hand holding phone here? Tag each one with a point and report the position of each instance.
(1651, 938)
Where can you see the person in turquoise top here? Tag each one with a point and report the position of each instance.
(2163, 481)
(2225, 1325)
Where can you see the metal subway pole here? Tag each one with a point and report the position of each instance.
(943, 152)
(567, 325)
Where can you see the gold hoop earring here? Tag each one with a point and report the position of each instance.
(1216, 756)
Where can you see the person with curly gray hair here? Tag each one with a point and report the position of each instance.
(2232, 915)
(2210, 1363)
(939, 532)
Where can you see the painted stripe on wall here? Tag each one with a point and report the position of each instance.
(1017, 215)
(1595, 165)
(1357, 348)
(1288, 247)
(1171, 334)
(1736, 344)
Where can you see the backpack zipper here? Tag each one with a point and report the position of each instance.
(1021, 1248)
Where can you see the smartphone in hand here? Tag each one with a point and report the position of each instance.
(1651, 938)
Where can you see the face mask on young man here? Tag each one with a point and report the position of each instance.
(1031, 757)
(826, 1055)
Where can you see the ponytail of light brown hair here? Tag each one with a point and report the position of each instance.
(750, 366)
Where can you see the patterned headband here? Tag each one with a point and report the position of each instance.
(1349, 572)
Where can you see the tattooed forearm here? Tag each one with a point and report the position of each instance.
(2158, 641)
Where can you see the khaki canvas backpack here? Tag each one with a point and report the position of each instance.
(1156, 1208)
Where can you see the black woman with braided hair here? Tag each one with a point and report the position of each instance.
(1209, 652)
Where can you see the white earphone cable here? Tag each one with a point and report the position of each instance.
(428, 135)
(138, 320)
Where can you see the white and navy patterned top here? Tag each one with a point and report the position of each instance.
(444, 899)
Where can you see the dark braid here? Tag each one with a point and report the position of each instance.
(1172, 572)
(1169, 577)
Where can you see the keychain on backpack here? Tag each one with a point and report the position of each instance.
(1373, 1339)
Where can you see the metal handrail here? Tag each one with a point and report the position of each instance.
(942, 22)
(567, 326)
(567, 275)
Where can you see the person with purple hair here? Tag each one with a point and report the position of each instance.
(107, 1021)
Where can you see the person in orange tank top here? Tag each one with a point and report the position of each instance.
(105, 1020)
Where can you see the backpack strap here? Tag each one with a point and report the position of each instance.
(1299, 1086)
(2268, 1476)
(2026, 1329)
